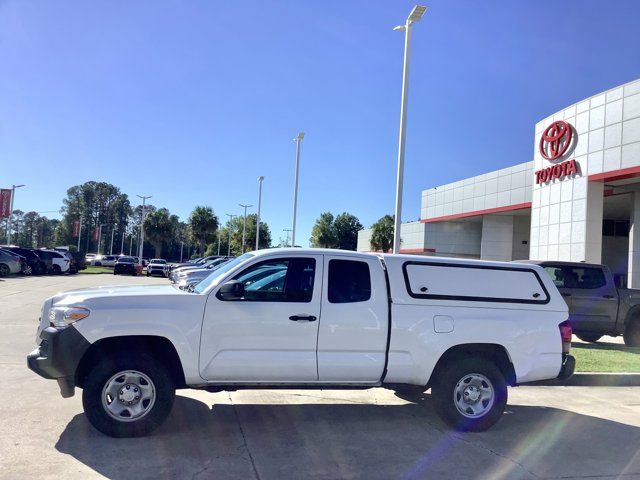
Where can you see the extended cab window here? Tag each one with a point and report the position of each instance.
(349, 281)
(281, 280)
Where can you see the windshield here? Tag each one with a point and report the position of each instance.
(125, 260)
(219, 272)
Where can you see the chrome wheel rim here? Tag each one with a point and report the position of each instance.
(128, 396)
(474, 395)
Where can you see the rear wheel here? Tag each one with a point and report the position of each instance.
(128, 396)
(56, 269)
(4, 270)
(27, 270)
(589, 337)
(632, 333)
(470, 394)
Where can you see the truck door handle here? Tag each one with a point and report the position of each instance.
(607, 296)
(297, 318)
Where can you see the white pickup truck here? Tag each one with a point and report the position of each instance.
(311, 318)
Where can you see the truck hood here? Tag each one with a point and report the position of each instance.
(84, 295)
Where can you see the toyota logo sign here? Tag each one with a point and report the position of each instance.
(555, 140)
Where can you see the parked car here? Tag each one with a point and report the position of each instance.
(596, 306)
(175, 274)
(33, 264)
(104, 260)
(194, 262)
(192, 277)
(157, 266)
(309, 318)
(60, 263)
(89, 257)
(9, 263)
(125, 266)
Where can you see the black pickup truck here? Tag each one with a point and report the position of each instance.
(596, 306)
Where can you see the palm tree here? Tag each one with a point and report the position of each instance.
(203, 225)
(159, 226)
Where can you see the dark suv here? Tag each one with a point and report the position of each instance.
(33, 265)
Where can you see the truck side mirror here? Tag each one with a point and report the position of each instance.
(232, 290)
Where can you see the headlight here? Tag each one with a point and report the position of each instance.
(63, 316)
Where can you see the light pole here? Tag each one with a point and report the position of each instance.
(113, 230)
(79, 232)
(130, 241)
(415, 16)
(298, 140)
(218, 241)
(122, 243)
(100, 235)
(286, 242)
(231, 217)
(144, 200)
(13, 194)
(244, 223)
(181, 247)
(260, 179)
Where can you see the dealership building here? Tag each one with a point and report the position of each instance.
(577, 198)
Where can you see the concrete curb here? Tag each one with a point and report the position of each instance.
(593, 379)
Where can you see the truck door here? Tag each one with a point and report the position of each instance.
(352, 337)
(594, 299)
(557, 274)
(270, 335)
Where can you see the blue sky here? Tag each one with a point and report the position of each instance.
(190, 101)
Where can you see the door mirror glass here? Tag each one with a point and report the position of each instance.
(232, 290)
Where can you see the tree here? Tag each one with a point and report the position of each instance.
(346, 227)
(235, 226)
(382, 234)
(203, 225)
(339, 232)
(160, 227)
(323, 233)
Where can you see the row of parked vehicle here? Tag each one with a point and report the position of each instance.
(128, 265)
(29, 261)
(188, 274)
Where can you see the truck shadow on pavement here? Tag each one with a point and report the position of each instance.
(356, 440)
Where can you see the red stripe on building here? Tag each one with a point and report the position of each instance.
(475, 213)
(621, 174)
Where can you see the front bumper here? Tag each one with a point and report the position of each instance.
(58, 356)
(568, 367)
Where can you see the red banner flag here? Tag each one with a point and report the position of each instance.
(76, 228)
(5, 203)
(96, 233)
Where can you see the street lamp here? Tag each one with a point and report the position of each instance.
(144, 200)
(231, 217)
(415, 16)
(244, 223)
(298, 140)
(100, 235)
(260, 179)
(13, 194)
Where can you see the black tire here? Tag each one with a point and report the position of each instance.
(632, 333)
(443, 392)
(56, 269)
(100, 375)
(27, 270)
(589, 337)
(4, 270)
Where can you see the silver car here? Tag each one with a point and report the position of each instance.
(9, 263)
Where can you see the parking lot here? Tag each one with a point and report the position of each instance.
(547, 432)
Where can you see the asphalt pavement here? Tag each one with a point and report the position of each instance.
(547, 431)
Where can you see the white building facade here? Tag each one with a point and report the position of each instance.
(577, 199)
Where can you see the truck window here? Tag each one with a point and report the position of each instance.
(584, 278)
(349, 281)
(556, 274)
(281, 280)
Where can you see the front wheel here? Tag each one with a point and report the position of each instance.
(4, 270)
(470, 394)
(128, 397)
(27, 270)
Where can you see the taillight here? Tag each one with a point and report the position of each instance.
(565, 334)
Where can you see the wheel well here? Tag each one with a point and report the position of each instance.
(160, 348)
(632, 315)
(493, 352)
